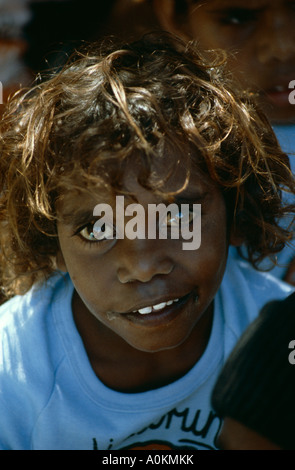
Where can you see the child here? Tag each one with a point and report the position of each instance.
(114, 341)
(259, 33)
(255, 390)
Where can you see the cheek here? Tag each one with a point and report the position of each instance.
(206, 265)
(245, 66)
(211, 262)
(209, 32)
(212, 34)
(93, 283)
(214, 246)
(86, 271)
(205, 31)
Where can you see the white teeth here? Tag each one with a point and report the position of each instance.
(160, 306)
(155, 308)
(144, 311)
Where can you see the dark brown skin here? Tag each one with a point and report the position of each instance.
(260, 33)
(132, 352)
(290, 275)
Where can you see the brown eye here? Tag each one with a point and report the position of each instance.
(103, 231)
(175, 219)
(100, 236)
(87, 233)
(97, 232)
(239, 16)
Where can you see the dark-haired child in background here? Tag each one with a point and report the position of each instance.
(255, 391)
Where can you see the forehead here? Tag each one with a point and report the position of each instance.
(168, 180)
(164, 184)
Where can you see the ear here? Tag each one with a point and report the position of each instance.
(60, 262)
(166, 15)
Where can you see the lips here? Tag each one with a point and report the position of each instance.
(155, 308)
(159, 313)
(279, 93)
(157, 305)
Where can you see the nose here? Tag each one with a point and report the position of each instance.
(142, 261)
(275, 39)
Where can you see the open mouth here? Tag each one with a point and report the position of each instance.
(162, 309)
(155, 308)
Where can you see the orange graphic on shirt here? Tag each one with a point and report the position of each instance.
(153, 446)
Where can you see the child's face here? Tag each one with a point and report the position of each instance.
(236, 436)
(114, 279)
(261, 33)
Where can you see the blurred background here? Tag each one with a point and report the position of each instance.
(259, 34)
(39, 34)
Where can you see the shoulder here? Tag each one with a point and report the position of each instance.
(261, 285)
(29, 346)
(23, 314)
(30, 353)
(245, 290)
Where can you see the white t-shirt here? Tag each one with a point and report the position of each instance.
(50, 397)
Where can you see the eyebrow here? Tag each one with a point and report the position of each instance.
(82, 216)
(79, 217)
(190, 197)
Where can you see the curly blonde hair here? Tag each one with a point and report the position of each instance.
(110, 103)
